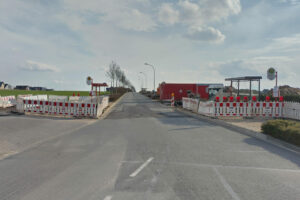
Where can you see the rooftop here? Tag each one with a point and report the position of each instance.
(245, 78)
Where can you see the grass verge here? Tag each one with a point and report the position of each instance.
(286, 130)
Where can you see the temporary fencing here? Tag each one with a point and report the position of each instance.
(278, 109)
(292, 110)
(247, 109)
(58, 98)
(62, 108)
(190, 104)
(7, 101)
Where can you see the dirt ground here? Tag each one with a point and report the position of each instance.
(248, 123)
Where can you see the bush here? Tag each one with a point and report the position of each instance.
(286, 130)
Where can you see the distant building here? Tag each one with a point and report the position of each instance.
(7, 86)
(22, 87)
(2, 85)
(38, 88)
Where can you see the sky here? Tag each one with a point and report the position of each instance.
(58, 43)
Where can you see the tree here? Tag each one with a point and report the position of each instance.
(117, 76)
(111, 73)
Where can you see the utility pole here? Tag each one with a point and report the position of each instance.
(153, 75)
(145, 79)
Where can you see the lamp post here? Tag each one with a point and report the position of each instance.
(142, 82)
(153, 74)
(145, 79)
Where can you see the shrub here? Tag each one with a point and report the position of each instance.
(286, 130)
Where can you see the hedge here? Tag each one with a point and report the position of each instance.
(286, 130)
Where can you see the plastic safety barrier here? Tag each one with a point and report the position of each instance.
(190, 104)
(244, 109)
(59, 108)
(58, 98)
(7, 101)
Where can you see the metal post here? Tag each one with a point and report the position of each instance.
(238, 93)
(231, 89)
(259, 89)
(250, 89)
(145, 79)
(153, 75)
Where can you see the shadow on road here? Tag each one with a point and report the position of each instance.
(286, 154)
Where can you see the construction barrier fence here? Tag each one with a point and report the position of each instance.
(62, 108)
(276, 109)
(7, 101)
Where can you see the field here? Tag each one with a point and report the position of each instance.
(60, 93)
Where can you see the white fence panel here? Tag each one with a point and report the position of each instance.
(207, 108)
(291, 110)
(7, 101)
(58, 98)
(244, 109)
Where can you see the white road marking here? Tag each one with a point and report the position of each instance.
(141, 167)
(218, 166)
(226, 185)
(108, 198)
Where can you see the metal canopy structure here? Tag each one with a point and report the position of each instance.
(249, 79)
(98, 85)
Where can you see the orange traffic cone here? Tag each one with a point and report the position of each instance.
(78, 94)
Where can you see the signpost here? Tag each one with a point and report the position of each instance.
(272, 74)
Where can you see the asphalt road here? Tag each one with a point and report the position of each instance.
(144, 150)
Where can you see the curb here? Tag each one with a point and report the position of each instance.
(244, 131)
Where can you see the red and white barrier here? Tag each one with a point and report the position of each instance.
(7, 101)
(69, 109)
(249, 109)
(242, 109)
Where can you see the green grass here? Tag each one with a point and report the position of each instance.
(287, 130)
(59, 93)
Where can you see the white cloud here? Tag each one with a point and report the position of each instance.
(126, 14)
(167, 14)
(134, 20)
(288, 44)
(39, 67)
(207, 11)
(205, 34)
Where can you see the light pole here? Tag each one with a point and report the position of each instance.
(153, 74)
(142, 82)
(145, 79)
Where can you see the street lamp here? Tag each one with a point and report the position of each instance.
(142, 82)
(145, 79)
(153, 74)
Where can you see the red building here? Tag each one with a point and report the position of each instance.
(182, 89)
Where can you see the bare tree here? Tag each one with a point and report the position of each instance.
(111, 73)
(118, 77)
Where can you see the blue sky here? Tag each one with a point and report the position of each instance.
(58, 43)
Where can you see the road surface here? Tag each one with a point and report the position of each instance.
(144, 150)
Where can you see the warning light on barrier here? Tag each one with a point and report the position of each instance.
(268, 98)
(231, 99)
(281, 99)
(224, 99)
(245, 99)
(238, 99)
(254, 98)
(217, 99)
